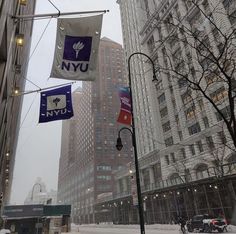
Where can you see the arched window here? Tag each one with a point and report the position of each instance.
(175, 178)
(232, 163)
(232, 158)
(201, 171)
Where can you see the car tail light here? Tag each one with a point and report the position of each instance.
(214, 222)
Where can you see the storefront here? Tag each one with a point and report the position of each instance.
(37, 219)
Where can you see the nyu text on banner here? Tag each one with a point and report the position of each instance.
(76, 50)
(125, 116)
(56, 104)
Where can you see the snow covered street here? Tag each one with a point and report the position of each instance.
(131, 229)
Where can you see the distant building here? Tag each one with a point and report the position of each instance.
(88, 154)
(39, 194)
(13, 66)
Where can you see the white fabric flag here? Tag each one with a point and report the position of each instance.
(76, 50)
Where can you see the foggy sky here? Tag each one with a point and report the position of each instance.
(38, 148)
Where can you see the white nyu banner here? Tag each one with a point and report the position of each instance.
(76, 49)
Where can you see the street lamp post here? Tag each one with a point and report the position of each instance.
(119, 142)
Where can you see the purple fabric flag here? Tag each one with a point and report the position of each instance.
(56, 104)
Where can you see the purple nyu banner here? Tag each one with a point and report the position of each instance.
(56, 104)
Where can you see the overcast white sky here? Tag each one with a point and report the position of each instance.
(38, 148)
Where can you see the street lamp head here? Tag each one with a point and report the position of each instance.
(119, 145)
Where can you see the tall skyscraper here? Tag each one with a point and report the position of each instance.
(15, 38)
(88, 154)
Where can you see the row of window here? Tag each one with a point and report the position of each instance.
(103, 168)
(199, 145)
(104, 177)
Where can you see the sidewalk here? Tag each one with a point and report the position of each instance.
(75, 228)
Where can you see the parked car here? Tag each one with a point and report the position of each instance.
(206, 223)
(4, 231)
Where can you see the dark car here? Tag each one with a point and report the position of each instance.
(206, 223)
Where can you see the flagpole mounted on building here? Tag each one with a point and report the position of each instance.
(57, 15)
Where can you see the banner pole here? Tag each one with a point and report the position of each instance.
(43, 89)
(56, 15)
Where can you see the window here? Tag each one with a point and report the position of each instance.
(177, 120)
(206, 122)
(190, 112)
(151, 44)
(199, 145)
(210, 142)
(103, 168)
(167, 159)
(188, 4)
(232, 18)
(163, 112)
(180, 135)
(228, 4)
(192, 149)
(219, 94)
(104, 177)
(169, 141)
(172, 155)
(182, 153)
(226, 113)
(182, 83)
(206, 62)
(194, 129)
(186, 97)
(173, 40)
(201, 105)
(212, 78)
(222, 137)
(161, 98)
(159, 85)
(201, 171)
(166, 126)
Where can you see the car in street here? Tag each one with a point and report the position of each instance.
(206, 223)
(4, 231)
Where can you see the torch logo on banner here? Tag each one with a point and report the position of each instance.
(76, 49)
(76, 54)
(125, 116)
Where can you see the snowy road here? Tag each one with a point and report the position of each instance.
(95, 230)
(131, 229)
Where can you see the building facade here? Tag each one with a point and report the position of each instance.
(39, 194)
(194, 159)
(13, 64)
(88, 154)
(142, 88)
